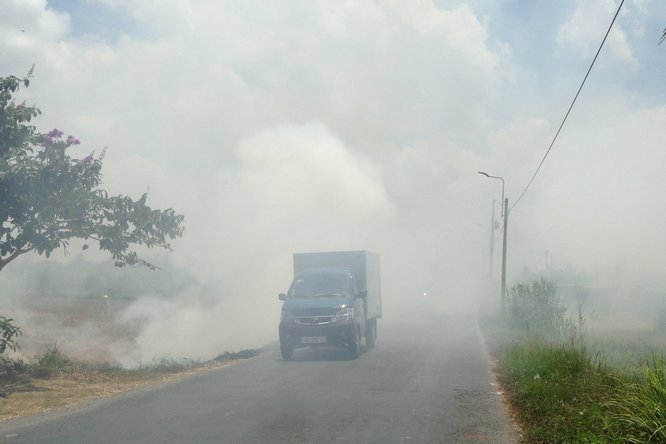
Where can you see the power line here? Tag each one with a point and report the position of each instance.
(566, 116)
(501, 232)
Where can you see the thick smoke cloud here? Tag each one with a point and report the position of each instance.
(312, 125)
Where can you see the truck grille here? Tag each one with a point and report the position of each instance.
(314, 320)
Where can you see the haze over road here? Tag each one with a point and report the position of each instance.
(424, 382)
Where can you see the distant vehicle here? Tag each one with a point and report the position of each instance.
(334, 299)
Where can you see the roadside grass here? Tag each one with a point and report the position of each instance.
(639, 406)
(563, 389)
(558, 392)
(53, 380)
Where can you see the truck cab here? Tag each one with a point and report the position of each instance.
(322, 307)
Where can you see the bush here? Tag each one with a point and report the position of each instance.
(51, 362)
(536, 309)
(11, 370)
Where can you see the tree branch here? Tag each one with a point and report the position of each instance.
(13, 256)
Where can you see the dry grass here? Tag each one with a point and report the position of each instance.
(78, 326)
(71, 390)
(70, 348)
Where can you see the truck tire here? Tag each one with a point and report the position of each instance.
(371, 333)
(287, 351)
(355, 345)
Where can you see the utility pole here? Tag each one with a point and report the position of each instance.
(506, 225)
(505, 215)
(492, 241)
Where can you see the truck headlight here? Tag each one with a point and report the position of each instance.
(346, 314)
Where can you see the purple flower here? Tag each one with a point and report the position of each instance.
(88, 159)
(55, 133)
(47, 142)
(71, 140)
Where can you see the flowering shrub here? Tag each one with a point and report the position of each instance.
(48, 197)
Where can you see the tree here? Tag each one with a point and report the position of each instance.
(48, 197)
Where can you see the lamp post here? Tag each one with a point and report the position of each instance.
(505, 216)
(495, 177)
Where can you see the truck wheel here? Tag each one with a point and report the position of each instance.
(355, 345)
(287, 351)
(371, 333)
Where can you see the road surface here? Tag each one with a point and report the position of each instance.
(422, 383)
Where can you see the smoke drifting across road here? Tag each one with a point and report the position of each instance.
(312, 125)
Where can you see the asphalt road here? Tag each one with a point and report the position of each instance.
(422, 383)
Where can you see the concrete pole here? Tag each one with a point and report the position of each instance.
(492, 241)
(506, 226)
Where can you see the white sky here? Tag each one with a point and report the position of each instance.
(294, 125)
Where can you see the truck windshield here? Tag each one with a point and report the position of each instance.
(321, 286)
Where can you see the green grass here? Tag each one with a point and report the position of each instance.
(638, 407)
(558, 392)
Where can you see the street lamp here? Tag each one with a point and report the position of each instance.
(505, 216)
(496, 177)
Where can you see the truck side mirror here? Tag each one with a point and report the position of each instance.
(282, 296)
(363, 294)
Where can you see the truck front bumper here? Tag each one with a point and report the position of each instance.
(330, 334)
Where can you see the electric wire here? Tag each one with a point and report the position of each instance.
(501, 232)
(566, 116)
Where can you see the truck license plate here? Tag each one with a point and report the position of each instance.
(313, 340)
